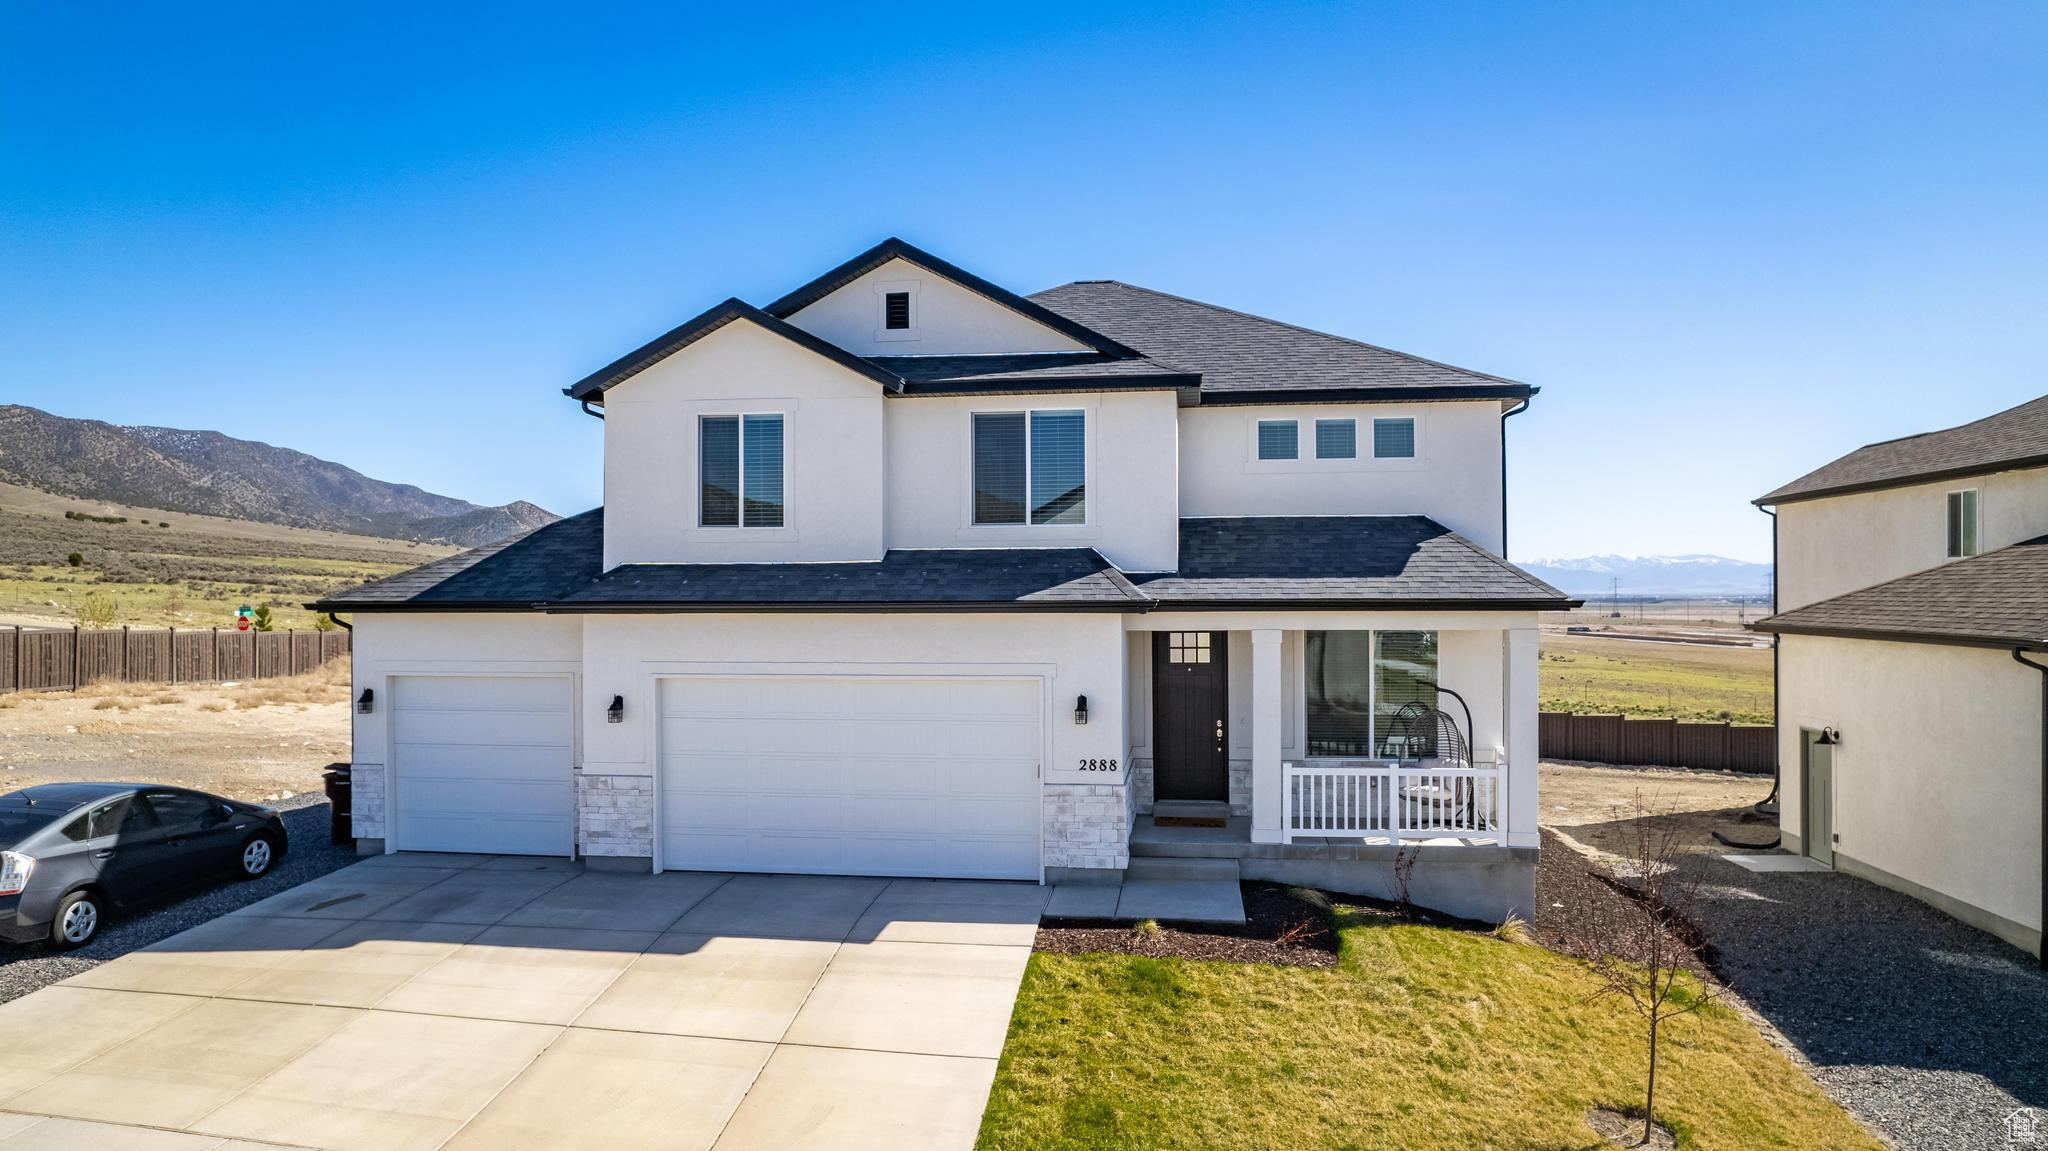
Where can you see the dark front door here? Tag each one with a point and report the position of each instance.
(1190, 700)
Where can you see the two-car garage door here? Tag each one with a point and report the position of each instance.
(852, 775)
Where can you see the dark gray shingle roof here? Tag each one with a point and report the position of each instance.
(2014, 438)
(1257, 562)
(592, 386)
(1345, 561)
(517, 573)
(1999, 598)
(1250, 358)
(961, 375)
(1066, 579)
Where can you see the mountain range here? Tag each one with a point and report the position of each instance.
(1668, 576)
(208, 473)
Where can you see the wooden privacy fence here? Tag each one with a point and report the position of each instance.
(64, 659)
(1657, 742)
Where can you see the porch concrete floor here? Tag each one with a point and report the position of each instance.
(473, 1002)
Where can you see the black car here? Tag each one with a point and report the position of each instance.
(70, 851)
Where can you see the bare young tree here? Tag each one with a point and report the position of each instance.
(1641, 954)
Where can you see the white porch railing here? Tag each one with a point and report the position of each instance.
(1398, 800)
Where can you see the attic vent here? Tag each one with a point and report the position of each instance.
(896, 311)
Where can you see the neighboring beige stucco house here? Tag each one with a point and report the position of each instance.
(906, 574)
(1912, 633)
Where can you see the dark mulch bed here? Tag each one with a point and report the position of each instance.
(1577, 904)
(1278, 928)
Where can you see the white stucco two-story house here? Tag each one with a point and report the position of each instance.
(905, 574)
(1912, 633)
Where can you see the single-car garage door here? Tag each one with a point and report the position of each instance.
(851, 775)
(483, 763)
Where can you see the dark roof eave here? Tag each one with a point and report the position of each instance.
(593, 386)
(1790, 495)
(1944, 639)
(825, 606)
(1168, 603)
(1002, 386)
(893, 248)
(1369, 395)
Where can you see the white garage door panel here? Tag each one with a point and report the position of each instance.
(851, 775)
(484, 763)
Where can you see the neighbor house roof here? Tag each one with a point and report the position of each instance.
(895, 249)
(1350, 562)
(1998, 599)
(1333, 562)
(2014, 438)
(676, 339)
(1249, 359)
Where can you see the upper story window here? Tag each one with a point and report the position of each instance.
(1030, 467)
(1393, 439)
(739, 463)
(1962, 523)
(1336, 439)
(1279, 440)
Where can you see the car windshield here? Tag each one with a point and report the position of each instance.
(18, 823)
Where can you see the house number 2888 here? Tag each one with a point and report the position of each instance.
(1098, 765)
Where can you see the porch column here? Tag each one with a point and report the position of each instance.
(1518, 699)
(1268, 788)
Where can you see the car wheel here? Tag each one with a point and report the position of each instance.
(258, 853)
(77, 920)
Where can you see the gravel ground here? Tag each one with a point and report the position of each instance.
(26, 969)
(1929, 1031)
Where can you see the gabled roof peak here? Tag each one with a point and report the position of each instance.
(709, 321)
(897, 249)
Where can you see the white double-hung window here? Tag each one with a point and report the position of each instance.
(739, 471)
(1031, 467)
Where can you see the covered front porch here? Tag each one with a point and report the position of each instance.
(1314, 731)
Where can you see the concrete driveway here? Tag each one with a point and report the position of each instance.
(477, 1002)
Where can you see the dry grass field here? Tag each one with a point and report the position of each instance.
(164, 568)
(1596, 675)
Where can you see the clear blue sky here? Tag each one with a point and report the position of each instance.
(1728, 241)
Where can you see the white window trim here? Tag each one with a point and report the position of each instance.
(973, 529)
(1257, 421)
(1976, 524)
(1316, 434)
(742, 526)
(885, 333)
(1373, 440)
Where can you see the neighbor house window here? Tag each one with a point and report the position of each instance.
(1356, 683)
(1336, 439)
(1393, 439)
(1962, 523)
(1030, 467)
(739, 465)
(1279, 440)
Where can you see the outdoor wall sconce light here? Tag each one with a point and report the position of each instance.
(1829, 737)
(1081, 709)
(365, 701)
(616, 713)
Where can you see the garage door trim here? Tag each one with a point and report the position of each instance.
(1039, 675)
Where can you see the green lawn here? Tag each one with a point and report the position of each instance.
(1422, 1038)
(1592, 675)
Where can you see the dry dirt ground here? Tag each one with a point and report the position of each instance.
(1594, 804)
(259, 740)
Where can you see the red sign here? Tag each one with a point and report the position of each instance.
(242, 624)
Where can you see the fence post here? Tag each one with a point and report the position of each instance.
(291, 651)
(74, 657)
(127, 656)
(17, 657)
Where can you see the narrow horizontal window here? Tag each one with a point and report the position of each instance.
(1393, 439)
(1336, 439)
(1279, 440)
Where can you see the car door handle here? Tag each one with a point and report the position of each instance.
(103, 853)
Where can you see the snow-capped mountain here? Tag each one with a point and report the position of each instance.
(1686, 575)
